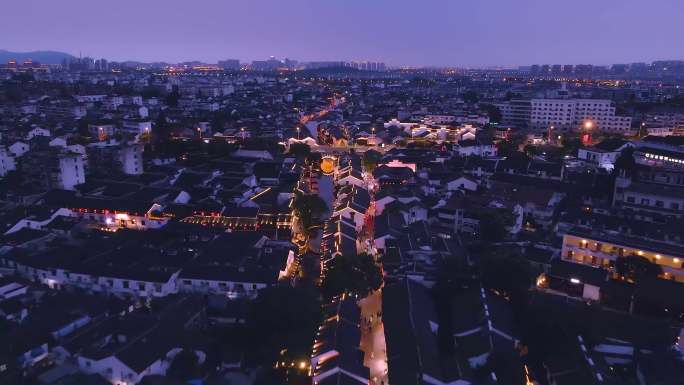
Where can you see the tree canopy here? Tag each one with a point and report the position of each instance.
(185, 365)
(309, 208)
(471, 97)
(637, 268)
(493, 223)
(300, 151)
(371, 159)
(353, 274)
(493, 112)
(283, 319)
(509, 274)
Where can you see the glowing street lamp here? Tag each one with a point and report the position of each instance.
(642, 132)
(588, 125)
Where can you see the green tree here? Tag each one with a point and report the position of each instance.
(308, 208)
(493, 112)
(160, 128)
(625, 162)
(493, 223)
(371, 159)
(530, 150)
(637, 268)
(173, 97)
(509, 274)
(571, 143)
(471, 97)
(301, 151)
(510, 145)
(282, 324)
(353, 274)
(185, 365)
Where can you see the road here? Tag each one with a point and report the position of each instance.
(373, 338)
(309, 263)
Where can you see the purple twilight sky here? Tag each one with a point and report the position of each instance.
(399, 32)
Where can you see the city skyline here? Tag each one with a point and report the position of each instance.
(439, 34)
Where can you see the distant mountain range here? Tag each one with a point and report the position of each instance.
(44, 57)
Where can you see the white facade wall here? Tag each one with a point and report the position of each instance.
(58, 278)
(569, 114)
(19, 148)
(33, 224)
(37, 131)
(478, 150)
(352, 214)
(126, 221)
(90, 98)
(137, 127)
(232, 289)
(131, 158)
(71, 171)
(461, 183)
(7, 162)
(600, 158)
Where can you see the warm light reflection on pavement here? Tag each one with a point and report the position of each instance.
(373, 338)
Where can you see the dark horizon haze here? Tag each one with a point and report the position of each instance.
(463, 33)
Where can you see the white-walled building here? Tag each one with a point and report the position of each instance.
(131, 158)
(570, 114)
(137, 127)
(19, 148)
(71, 171)
(7, 161)
(102, 131)
(603, 154)
(37, 131)
(90, 98)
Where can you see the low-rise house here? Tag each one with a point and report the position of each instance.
(353, 205)
(475, 147)
(605, 153)
(411, 333)
(337, 357)
(46, 318)
(126, 349)
(576, 280)
(603, 250)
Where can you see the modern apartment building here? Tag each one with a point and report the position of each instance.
(569, 114)
(516, 112)
(603, 249)
(565, 115)
(656, 185)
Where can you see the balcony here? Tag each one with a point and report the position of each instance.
(586, 251)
